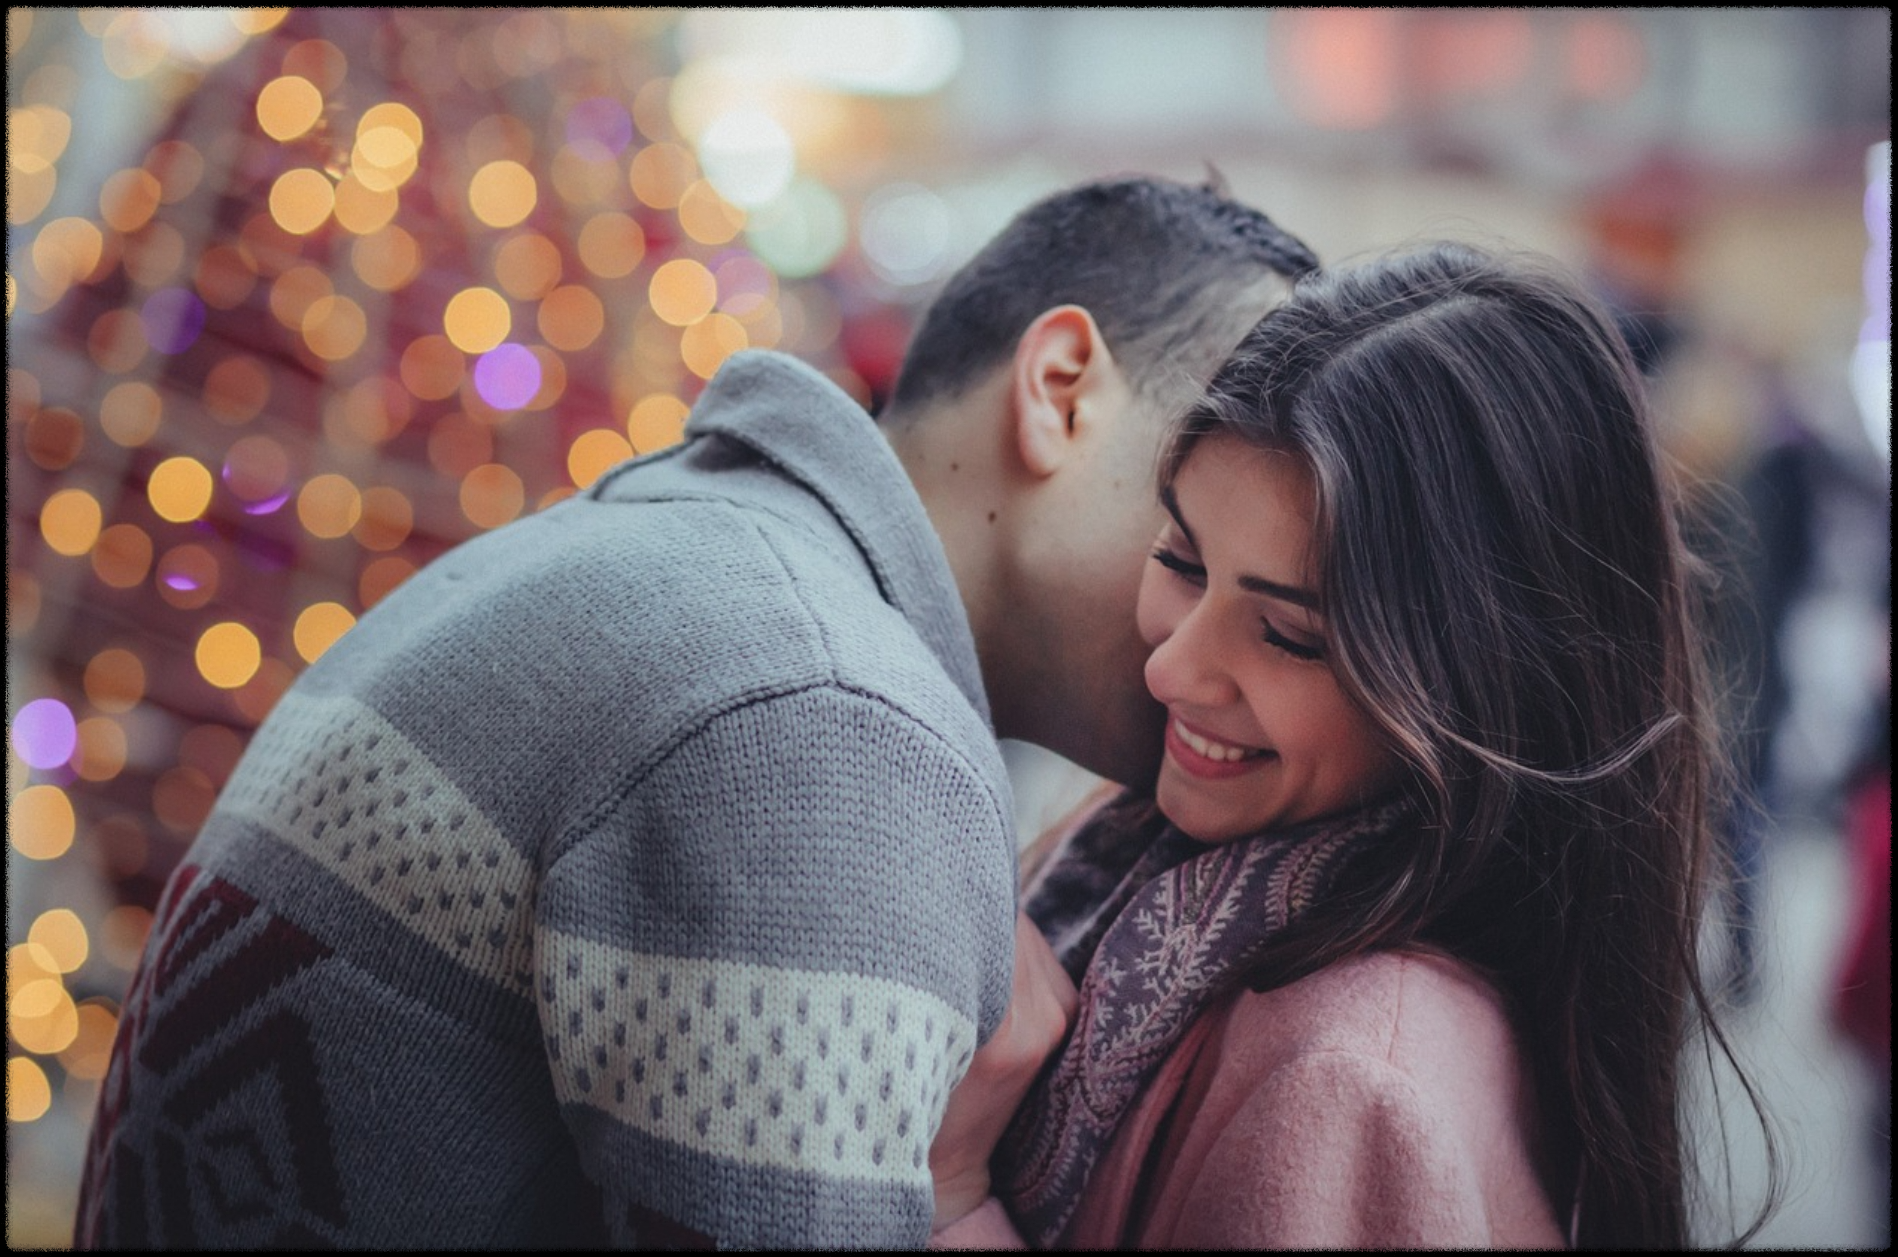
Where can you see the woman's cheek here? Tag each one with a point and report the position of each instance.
(1152, 615)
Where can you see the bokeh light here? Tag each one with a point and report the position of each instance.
(708, 217)
(384, 158)
(180, 489)
(128, 200)
(527, 265)
(115, 680)
(288, 106)
(747, 156)
(329, 505)
(295, 291)
(387, 258)
(40, 822)
(612, 244)
(683, 291)
(122, 556)
(707, 343)
(61, 937)
(173, 318)
(502, 193)
(228, 654)
(602, 120)
(361, 209)
(182, 796)
(29, 1094)
(661, 173)
(301, 200)
(334, 327)
(54, 438)
(70, 521)
(656, 422)
(235, 390)
(906, 233)
(477, 319)
(492, 495)
(595, 452)
(224, 277)
(123, 932)
(187, 576)
(800, 232)
(507, 377)
(129, 412)
(571, 317)
(319, 627)
(102, 749)
(44, 733)
(90, 1053)
(386, 521)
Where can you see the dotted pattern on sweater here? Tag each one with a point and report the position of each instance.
(334, 780)
(835, 1074)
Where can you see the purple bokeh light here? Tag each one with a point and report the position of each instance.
(44, 733)
(507, 376)
(268, 505)
(172, 317)
(602, 120)
(744, 283)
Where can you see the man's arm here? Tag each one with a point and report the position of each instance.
(762, 967)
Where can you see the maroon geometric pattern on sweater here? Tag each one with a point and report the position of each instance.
(178, 1030)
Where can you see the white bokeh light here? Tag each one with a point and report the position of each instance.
(800, 232)
(747, 156)
(905, 233)
(877, 52)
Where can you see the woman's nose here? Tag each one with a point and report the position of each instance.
(1186, 666)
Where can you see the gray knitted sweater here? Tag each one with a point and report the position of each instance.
(641, 868)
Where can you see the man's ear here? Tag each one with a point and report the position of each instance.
(1059, 361)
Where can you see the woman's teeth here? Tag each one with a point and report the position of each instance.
(1212, 750)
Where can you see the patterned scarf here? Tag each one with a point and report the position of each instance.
(1161, 925)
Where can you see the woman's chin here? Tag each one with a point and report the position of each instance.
(1191, 813)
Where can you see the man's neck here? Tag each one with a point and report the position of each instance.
(958, 476)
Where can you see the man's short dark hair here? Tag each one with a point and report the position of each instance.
(1160, 265)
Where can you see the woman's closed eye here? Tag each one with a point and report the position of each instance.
(1297, 650)
(1182, 567)
(1195, 574)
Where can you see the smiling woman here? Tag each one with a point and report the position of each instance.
(1406, 954)
(1259, 732)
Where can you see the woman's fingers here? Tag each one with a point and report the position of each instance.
(1041, 1007)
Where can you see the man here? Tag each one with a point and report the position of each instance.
(642, 872)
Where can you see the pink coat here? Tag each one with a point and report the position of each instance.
(1378, 1103)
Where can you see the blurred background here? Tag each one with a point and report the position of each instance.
(299, 298)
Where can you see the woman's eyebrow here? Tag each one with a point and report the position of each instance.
(1172, 504)
(1251, 584)
(1285, 593)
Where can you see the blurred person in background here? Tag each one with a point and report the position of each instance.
(1406, 954)
(676, 809)
(1808, 537)
(1860, 1000)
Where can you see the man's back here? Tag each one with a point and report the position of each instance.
(658, 840)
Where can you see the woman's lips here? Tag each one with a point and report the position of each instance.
(1207, 757)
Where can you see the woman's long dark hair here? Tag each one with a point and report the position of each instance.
(1507, 593)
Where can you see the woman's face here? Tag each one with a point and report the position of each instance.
(1259, 732)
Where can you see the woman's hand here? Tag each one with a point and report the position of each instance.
(1040, 1010)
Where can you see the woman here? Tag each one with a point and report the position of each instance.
(1408, 957)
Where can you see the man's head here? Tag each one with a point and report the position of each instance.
(1030, 411)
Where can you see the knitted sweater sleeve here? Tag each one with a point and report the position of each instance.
(763, 966)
